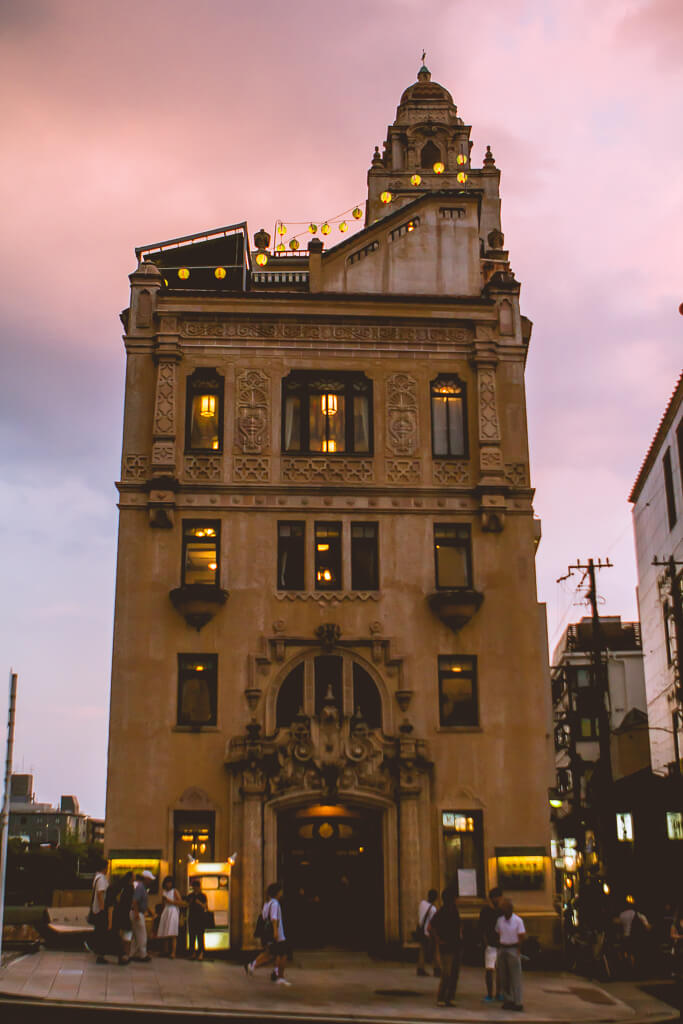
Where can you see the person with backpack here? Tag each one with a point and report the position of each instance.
(425, 955)
(634, 929)
(271, 934)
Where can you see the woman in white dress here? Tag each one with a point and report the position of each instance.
(170, 916)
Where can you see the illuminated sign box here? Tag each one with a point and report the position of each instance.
(137, 861)
(624, 827)
(520, 867)
(674, 824)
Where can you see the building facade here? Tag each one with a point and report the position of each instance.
(37, 824)
(329, 656)
(657, 498)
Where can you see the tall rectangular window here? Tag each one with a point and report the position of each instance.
(328, 561)
(463, 839)
(197, 689)
(291, 556)
(201, 547)
(669, 486)
(449, 421)
(328, 412)
(364, 557)
(458, 690)
(452, 555)
(204, 418)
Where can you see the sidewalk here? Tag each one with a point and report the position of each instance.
(324, 986)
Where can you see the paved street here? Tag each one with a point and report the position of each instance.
(347, 987)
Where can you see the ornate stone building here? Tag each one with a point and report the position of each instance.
(328, 650)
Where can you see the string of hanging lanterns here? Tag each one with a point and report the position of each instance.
(340, 221)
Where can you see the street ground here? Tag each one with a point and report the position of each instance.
(330, 986)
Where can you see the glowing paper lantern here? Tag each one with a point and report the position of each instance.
(280, 247)
(183, 273)
(282, 229)
(357, 213)
(294, 244)
(343, 226)
(462, 177)
(386, 197)
(220, 273)
(461, 159)
(312, 228)
(416, 180)
(325, 228)
(262, 258)
(438, 168)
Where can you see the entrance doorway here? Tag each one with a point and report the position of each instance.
(330, 861)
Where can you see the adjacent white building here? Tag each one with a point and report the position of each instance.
(657, 498)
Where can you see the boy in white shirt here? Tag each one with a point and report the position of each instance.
(511, 934)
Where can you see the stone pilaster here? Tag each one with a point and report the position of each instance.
(410, 851)
(253, 790)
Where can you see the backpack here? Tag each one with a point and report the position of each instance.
(264, 930)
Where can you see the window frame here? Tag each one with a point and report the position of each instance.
(339, 583)
(449, 378)
(477, 834)
(667, 468)
(472, 675)
(361, 540)
(183, 669)
(301, 382)
(467, 544)
(212, 524)
(280, 539)
(208, 381)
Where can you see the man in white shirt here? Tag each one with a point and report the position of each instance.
(100, 885)
(511, 934)
(425, 913)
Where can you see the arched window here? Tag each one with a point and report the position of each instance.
(328, 680)
(204, 417)
(290, 698)
(366, 698)
(430, 155)
(449, 416)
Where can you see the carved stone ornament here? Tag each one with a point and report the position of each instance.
(163, 454)
(403, 471)
(135, 467)
(516, 474)
(491, 458)
(489, 426)
(455, 607)
(328, 634)
(286, 331)
(251, 469)
(199, 468)
(450, 472)
(198, 602)
(252, 408)
(401, 414)
(326, 470)
(165, 400)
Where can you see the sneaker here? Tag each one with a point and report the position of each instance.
(488, 999)
(249, 969)
(283, 981)
(273, 976)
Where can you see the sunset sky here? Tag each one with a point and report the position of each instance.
(127, 123)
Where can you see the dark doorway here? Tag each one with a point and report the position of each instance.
(330, 861)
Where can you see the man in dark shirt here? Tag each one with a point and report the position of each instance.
(489, 938)
(445, 927)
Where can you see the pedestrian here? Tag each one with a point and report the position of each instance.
(634, 929)
(137, 916)
(511, 934)
(122, 908)
(169, 922)
(488, 917)
(271, 933)
(425, 954)
(198, 908)
(98, 913)
(447, 932)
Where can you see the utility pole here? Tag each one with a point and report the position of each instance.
(4, 830)
(677, 605)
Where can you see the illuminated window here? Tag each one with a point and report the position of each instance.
(458, 690)
(364, 560)
(329, 413)
(452, 555)
(462, 832)
(201, 547)
(193, 834)
(449, 423)
(290, 556)
(328, 574)
(204, 419)
(197, 689)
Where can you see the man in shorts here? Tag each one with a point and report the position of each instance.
(489, 937)
(275, 951)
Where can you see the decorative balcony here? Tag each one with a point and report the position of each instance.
(198, 602)
(455, 607)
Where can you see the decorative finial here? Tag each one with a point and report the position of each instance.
(489, 159)
(424, 56)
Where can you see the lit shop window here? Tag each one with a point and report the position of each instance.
(328, 574)
(449, 433)
(463, 847)
(458, 691)
(291, 555)
(200, 552)
(197, 689)
(452, 556)
(204, 421)
(328, 413)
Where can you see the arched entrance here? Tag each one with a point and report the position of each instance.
(330, 860)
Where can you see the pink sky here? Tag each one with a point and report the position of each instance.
(128, 123)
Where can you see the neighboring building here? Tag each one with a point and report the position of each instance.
(329, 655)
(577, 696)
(40, 824)
(94, 831)
(657, 498)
